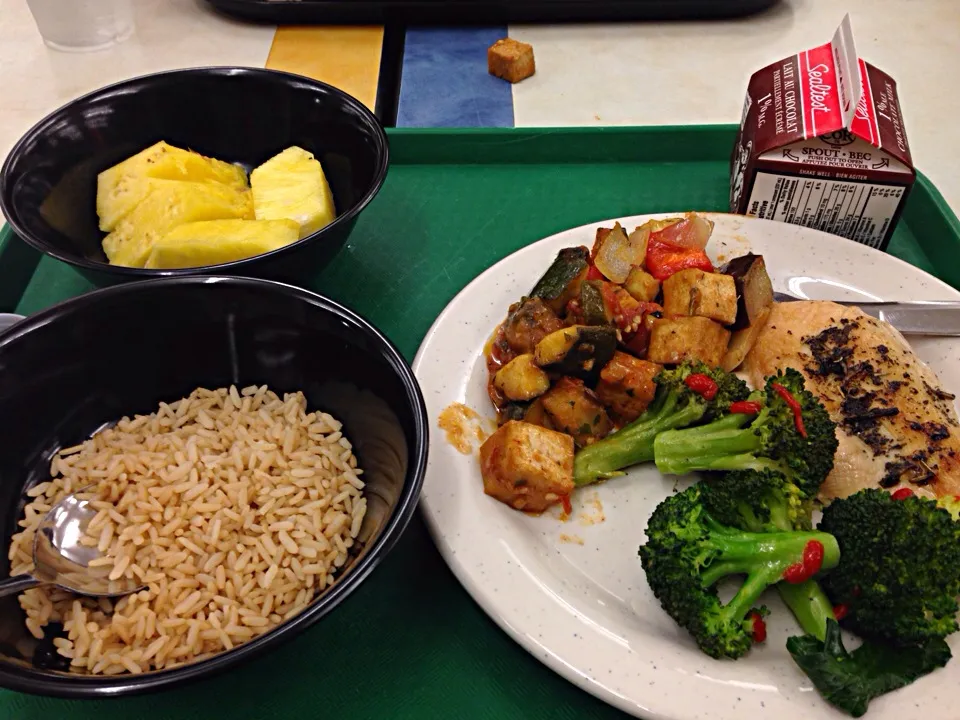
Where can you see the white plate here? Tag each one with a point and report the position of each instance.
(585, 610)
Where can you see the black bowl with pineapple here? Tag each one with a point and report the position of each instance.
(233, 170)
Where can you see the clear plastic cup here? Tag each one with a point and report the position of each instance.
(82, 25)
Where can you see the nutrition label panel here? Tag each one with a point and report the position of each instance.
(857, 210)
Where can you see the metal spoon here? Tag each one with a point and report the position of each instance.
(60, 559)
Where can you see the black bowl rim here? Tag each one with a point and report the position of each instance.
(7, 209)
(79, 686)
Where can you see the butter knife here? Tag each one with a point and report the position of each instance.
(911, 318)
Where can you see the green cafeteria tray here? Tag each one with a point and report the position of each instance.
(410, 643)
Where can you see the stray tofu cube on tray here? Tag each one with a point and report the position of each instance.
(527, 466)
(511, 60)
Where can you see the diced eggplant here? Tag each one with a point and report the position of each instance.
(580, 351)
(674, 340)
(521, 379)
(529, 322)
(754, 289)
(513, 411)
(561, 281)
(627, 386)
(619, 253)
(642, 285)
(742, 342)
(695, 292)
(591, 304)
(576, 411)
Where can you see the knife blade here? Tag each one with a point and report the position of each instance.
(912, 318)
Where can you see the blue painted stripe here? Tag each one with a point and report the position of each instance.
(445, 81)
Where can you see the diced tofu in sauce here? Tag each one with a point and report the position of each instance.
(577, 411)
(695, 292)
(626, 386)
(673, 340)
(526, 466)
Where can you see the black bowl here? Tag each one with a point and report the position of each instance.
(118, 351)
(48, 183)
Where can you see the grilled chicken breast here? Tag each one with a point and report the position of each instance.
(896, 426)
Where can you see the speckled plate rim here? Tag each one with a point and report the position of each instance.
(539, 591)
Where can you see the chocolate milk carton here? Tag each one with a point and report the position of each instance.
(822, 144)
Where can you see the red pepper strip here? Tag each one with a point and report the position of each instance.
(702, 385)
(808, 567)
(745, 407)
(792, 403)
(902, 494)
(840, 611)
(594, 274)
(565, 504)
(663, 259)
(759, 627)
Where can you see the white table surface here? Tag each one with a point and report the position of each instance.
(676, 73)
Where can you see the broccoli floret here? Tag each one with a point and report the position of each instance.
(765, 501)
(899, 574)
(688, 552)
(757, 501)
(849, 681)
(675, 405)
(799, 446)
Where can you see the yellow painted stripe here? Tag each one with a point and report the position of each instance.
(345, 57)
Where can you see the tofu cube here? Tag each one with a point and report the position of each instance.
(695, 292)
(641, 285)
(511, 60)
(626, 385)
(673, 340)
(576, 411)
(526, 466)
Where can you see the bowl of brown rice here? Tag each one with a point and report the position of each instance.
(252, 450)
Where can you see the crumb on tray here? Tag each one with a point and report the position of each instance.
(511, 60)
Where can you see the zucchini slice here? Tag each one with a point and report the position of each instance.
(591, 303)
(555, 287)
(521, 379)
(579, 351)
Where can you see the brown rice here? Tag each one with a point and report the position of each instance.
(234, 508)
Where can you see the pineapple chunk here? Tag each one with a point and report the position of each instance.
(171, 203)
(121, 187)
(292, 185)
(212, 242)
